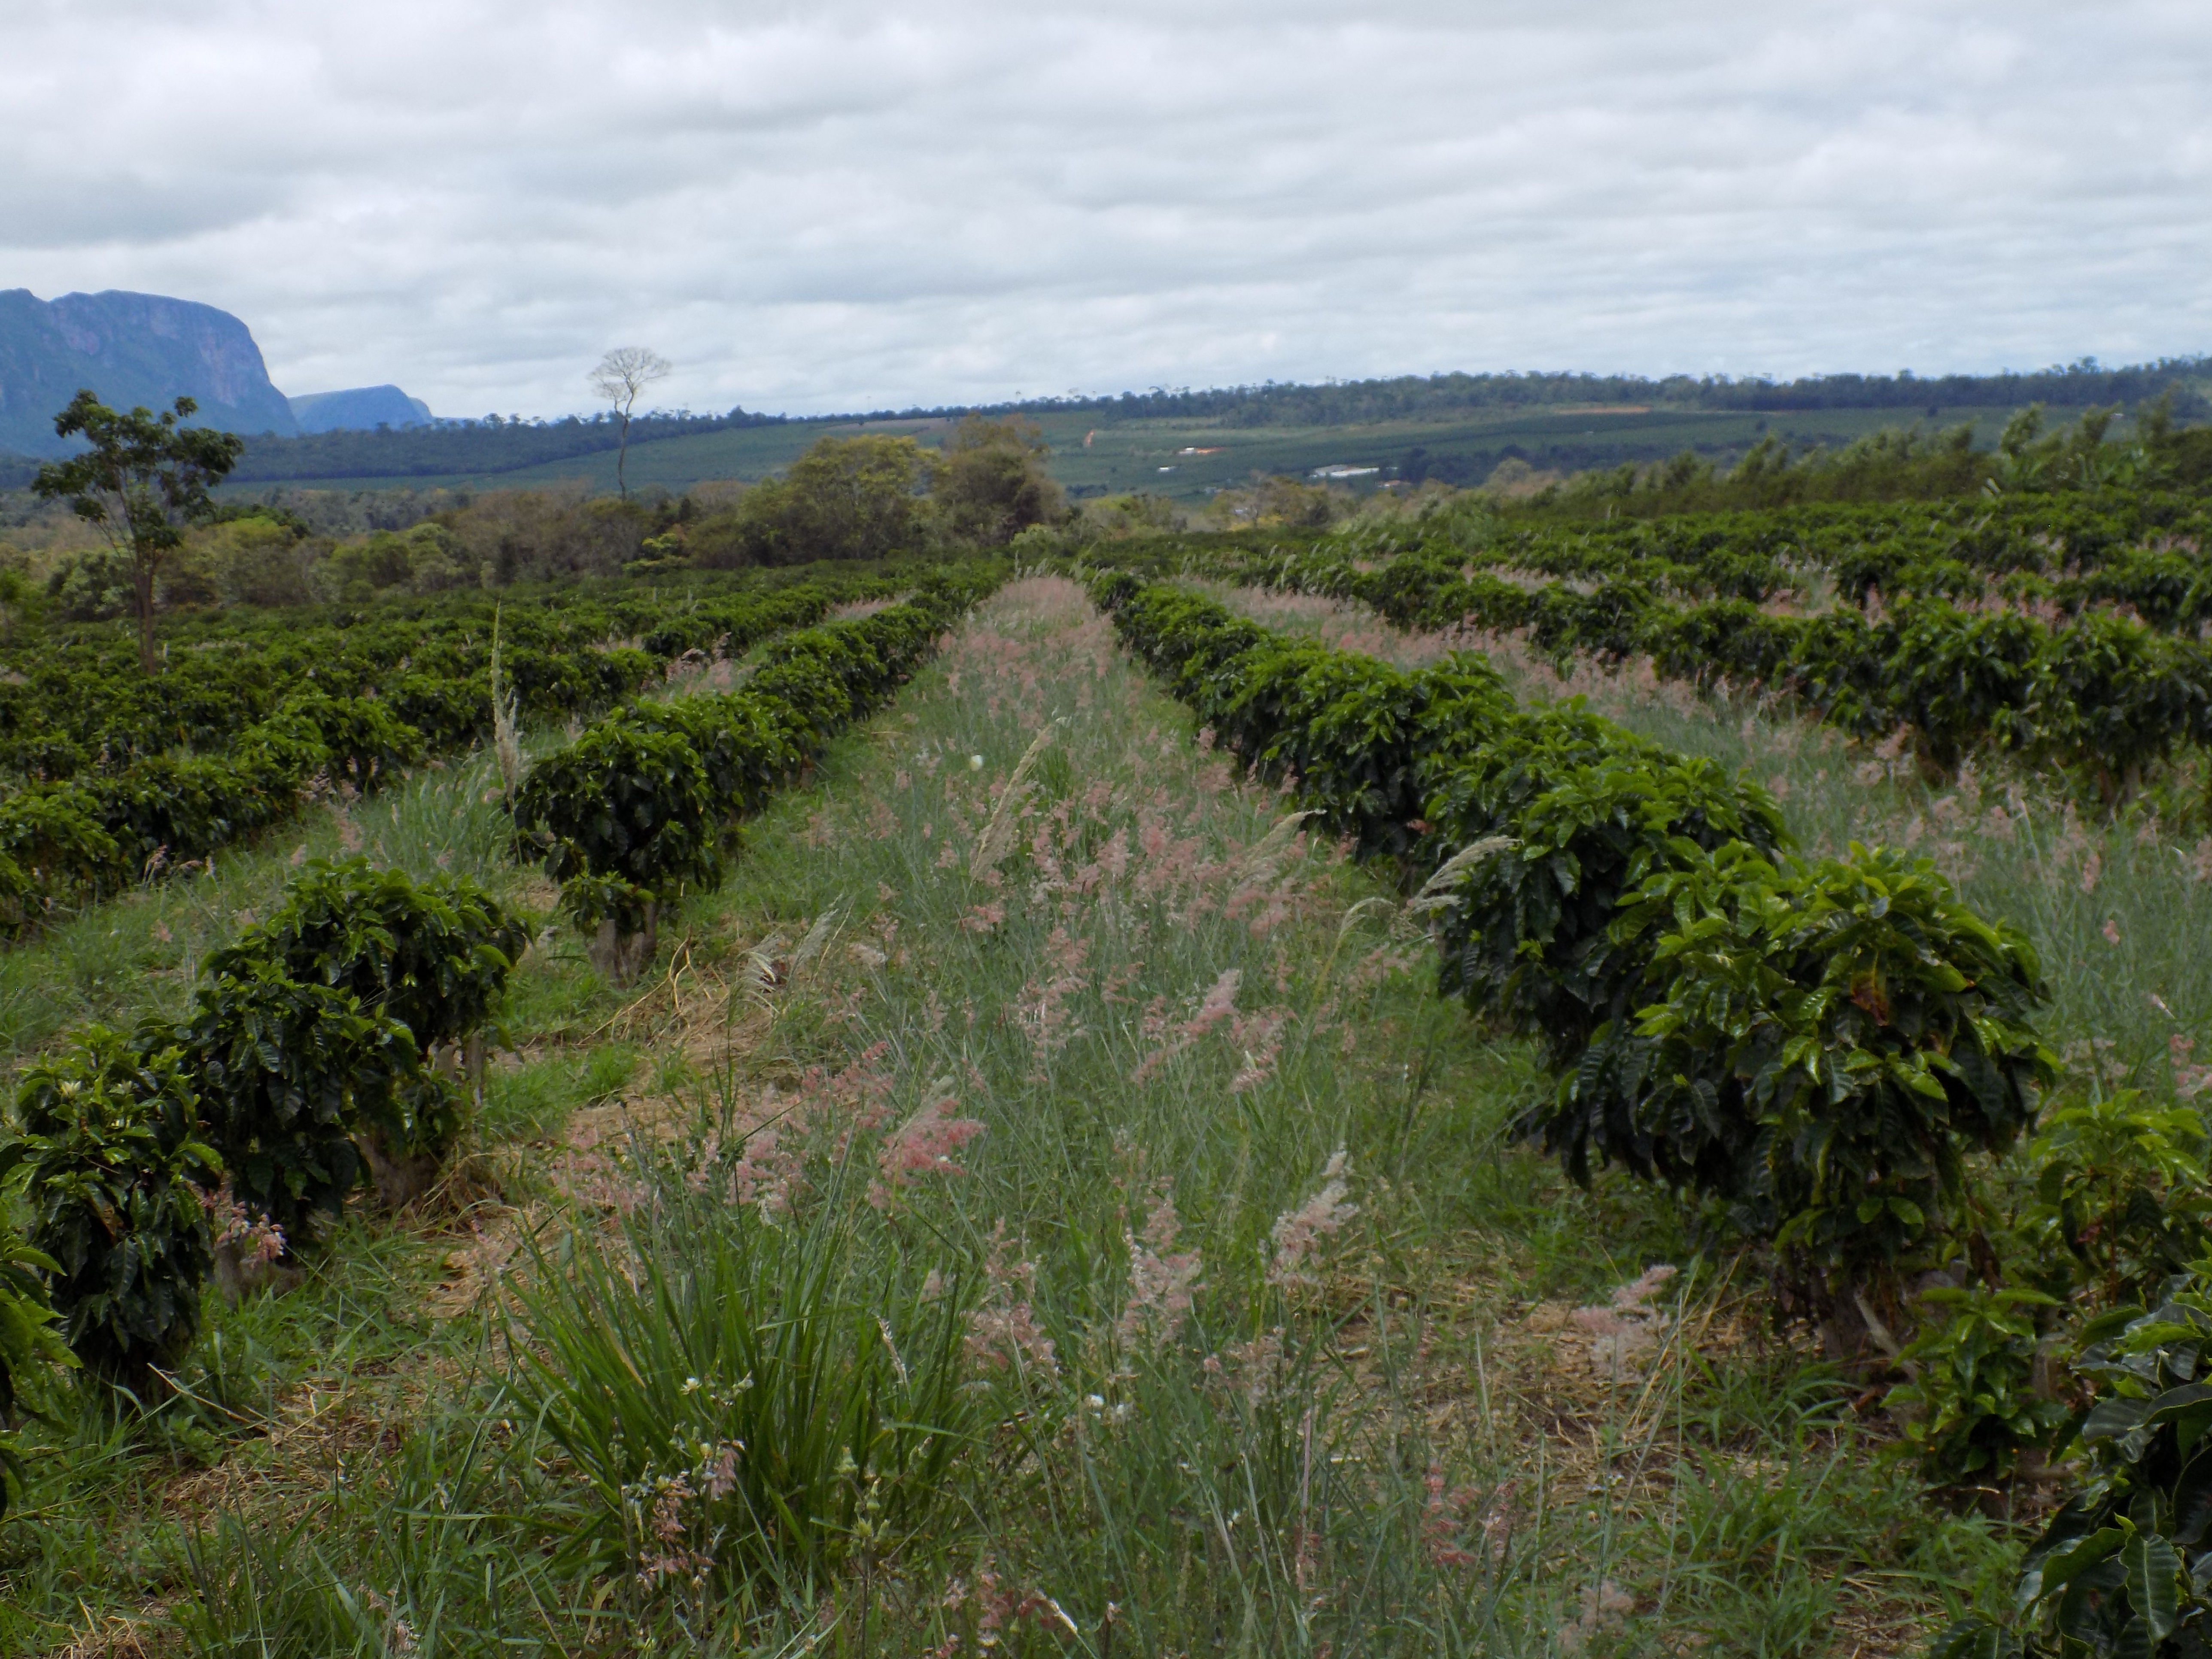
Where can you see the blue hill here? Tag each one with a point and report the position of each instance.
(363, 409)
(131, 348)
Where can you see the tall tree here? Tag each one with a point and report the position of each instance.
(621, 375)
(991, 482)
(845, 498)
(143, 479)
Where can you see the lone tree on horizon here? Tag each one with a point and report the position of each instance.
(143, 479)
(621, 375)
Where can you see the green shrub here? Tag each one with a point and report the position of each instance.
(53, 833)
(433, 955)
(114, 1173)
(2118, 1197)
(1827, 1043)
(366, 741)
(2113, 695)
(1972, 1408)
(287, 1071)
(747, 750)
(2124, 1569)
(631, 810)
(1530, 937)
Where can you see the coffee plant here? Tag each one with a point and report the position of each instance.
(287, 1071)
(30, 1343)
(1971, 1407)
(121, 776)
(115, 1174)
(2126, 1567)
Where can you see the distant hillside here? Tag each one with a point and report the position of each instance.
(131, 348)
(1413, 397)
(363, 409)
(488, 447)
(1455, 428)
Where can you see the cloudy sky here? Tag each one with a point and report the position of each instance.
(842, 206)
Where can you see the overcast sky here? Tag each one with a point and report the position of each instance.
(839, 206)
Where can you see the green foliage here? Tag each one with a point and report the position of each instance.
(1528, 934)
(433, 956)
(742, 1397)
(289, 1071)
(745, 747)
(2118, 1194)
(122, 777)
(642, 807)
(140, 479)
(845, 498)
(990, 484)
(1994, 637)
(1834, 1037)
(2124, 1569)
(365, 740)
(1972, 1408)
(28, 1341)
(626, 803)
(114, 1172)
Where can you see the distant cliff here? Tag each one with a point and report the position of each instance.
(131, 348)
(364, 409)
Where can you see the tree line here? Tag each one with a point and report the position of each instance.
(1343, 403)
(145, 483)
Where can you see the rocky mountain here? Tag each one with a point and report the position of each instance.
(131, 348)
(363, 409)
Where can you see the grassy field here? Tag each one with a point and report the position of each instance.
(1091, 455)
(1039, 1110)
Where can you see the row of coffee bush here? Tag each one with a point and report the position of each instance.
(643, 805)
(1820, 1055)
(1588, 885)
(2056, 556)
(2072, 550)
(216, 681)
(324, 1046)
(2104, 693)
(331, 1045)
(356, 714)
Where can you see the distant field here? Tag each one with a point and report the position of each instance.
(1092, 458)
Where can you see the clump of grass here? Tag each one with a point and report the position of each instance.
(750, 1400)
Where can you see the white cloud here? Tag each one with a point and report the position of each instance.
(860, 205)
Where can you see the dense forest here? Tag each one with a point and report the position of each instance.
(1337, 403)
